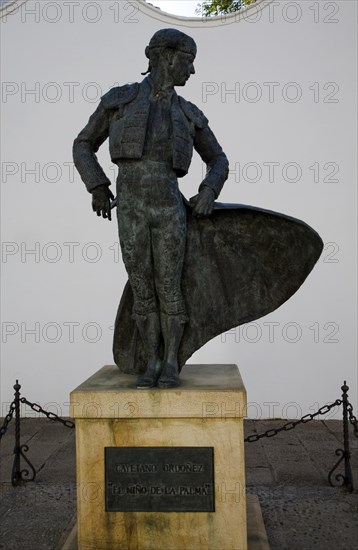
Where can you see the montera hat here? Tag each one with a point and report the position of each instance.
(172, 38)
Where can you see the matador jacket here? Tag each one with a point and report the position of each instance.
(122, 115)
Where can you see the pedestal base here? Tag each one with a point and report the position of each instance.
(207, 410)
(256, 532)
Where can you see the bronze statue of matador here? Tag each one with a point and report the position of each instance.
(195, 269)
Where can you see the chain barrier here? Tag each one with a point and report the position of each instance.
(346, 479)
(51, 415)
(7, 419)
(292, 424)
(344, 454)
(19, 476)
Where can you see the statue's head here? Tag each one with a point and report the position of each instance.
(174, 49)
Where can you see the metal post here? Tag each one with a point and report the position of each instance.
(20, 476)
(344, 454)
(348, 478)
(15, 476)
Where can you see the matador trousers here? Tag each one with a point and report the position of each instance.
(152, 234)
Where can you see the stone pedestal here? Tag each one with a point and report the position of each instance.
(206, 411)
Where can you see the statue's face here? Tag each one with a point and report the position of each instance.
(182, 67)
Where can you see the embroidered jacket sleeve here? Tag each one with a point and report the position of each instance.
(86, 146)
(217, 165)
(208, 147)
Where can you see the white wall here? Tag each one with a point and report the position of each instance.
(295, 358)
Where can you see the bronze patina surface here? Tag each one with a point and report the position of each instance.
(195, 269)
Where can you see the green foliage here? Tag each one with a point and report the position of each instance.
(218, 7)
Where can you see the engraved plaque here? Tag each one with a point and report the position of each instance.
(159, 479)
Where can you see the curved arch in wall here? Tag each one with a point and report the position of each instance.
(249, 13)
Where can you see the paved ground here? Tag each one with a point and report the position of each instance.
(288, 472)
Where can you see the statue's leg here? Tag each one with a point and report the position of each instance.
(149, 330)
(135, 240)
(172, 329)
(168, 242)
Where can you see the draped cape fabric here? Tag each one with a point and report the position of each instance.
(240, 264)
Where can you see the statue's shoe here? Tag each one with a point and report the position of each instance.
(149, 379)
(169, 377)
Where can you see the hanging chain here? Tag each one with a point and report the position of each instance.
(7, 419)
(352, 419)
(292, 424)
(51, 415)
(250, 439)
(19, 475)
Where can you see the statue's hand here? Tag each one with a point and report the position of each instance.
(101, 201)
(203, 202)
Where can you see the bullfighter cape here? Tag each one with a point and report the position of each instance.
(240, 264)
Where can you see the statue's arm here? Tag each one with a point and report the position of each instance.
(217, 170)
(208, 147)
(217, 165)
(85, 147)
(87, 144)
